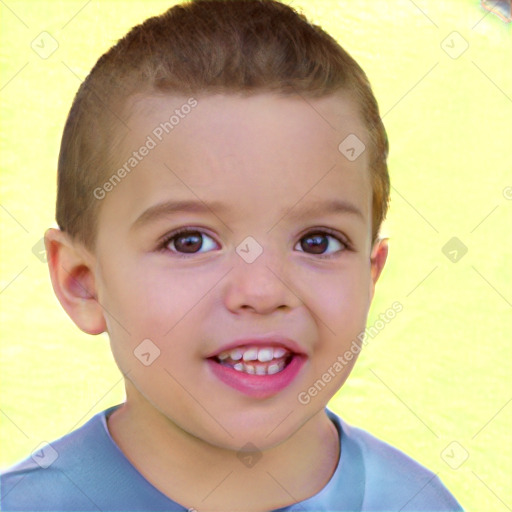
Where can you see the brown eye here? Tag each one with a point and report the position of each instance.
(318, 243)
(189, 242)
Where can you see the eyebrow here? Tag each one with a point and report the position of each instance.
(169, 208)
(320, 207)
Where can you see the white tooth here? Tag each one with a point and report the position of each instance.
(251, 354)
(279, 352)
(239, 367)
(236, 354)
(265, 354)
(249, 368)
(273, 368)
(261, 370)
(223, 355)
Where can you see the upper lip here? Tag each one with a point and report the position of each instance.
(261, 341)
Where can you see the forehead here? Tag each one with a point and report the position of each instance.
(328, 117)
(240, 151)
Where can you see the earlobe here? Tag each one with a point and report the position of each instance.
(377, 261)
(73, 281)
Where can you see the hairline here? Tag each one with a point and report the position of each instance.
(126, 110)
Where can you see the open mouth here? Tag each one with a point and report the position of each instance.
(256, 360)
(258, 371)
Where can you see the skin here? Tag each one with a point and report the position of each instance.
(264, 158)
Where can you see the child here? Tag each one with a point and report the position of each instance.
(250, 136)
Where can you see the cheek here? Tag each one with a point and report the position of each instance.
(159, 304)
(341, 298)
(151, 321)
(167, 297)
(150, 298)
(341, 305)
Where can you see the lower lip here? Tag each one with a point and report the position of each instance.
(258, 386)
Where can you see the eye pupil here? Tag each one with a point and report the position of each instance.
(193, 242)
(318, 243)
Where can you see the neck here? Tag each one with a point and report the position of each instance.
(205, 477)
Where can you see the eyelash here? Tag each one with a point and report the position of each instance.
(162, 246)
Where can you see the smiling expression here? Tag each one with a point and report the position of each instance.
(240, 247)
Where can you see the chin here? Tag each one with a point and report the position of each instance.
(263, 425)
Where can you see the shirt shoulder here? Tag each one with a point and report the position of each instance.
(393, 480)
(84, 470)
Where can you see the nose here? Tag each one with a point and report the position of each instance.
(261, 287)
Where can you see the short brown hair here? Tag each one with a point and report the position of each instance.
(204, 46)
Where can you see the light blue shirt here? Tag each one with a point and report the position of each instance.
(86, 470)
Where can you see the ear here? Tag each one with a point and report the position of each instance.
(378, 258)
(73, 280)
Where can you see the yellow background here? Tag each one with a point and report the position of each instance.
(436, 382)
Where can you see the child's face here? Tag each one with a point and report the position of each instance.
(253, 167)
